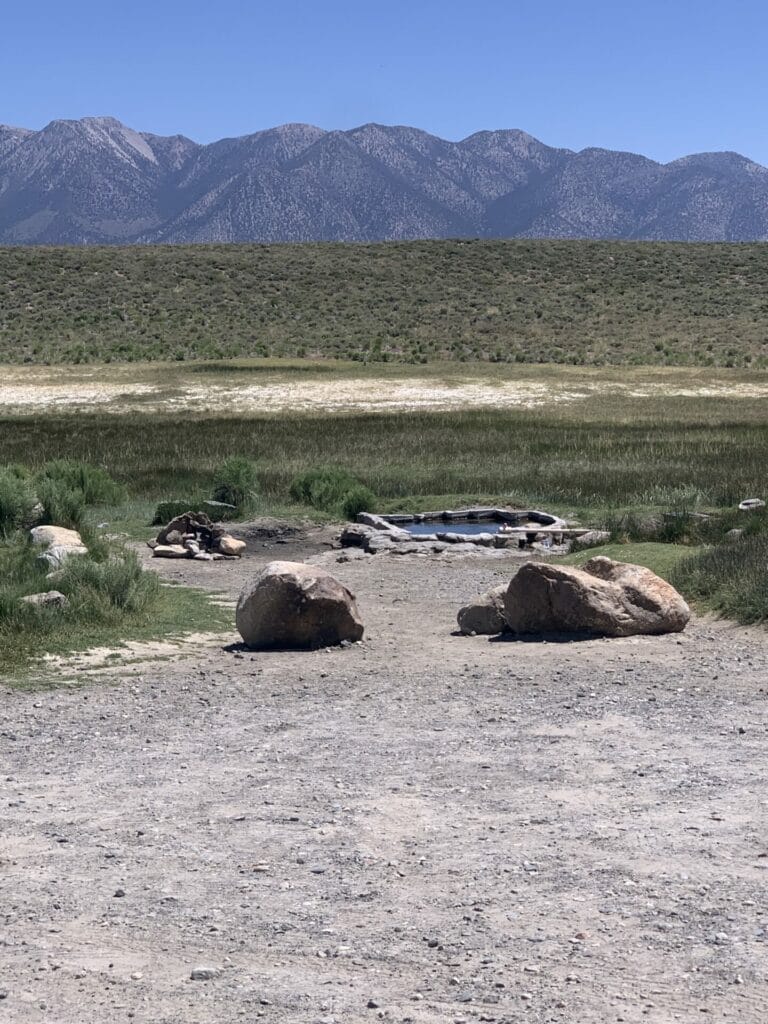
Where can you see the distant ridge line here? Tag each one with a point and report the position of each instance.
(97, 181)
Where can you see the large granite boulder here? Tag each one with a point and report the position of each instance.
(484, 614)
(290, 604)
(604, 598)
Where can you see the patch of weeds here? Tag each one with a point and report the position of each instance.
(111, 599)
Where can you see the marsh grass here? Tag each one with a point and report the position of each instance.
(590, 456)
(730, 578)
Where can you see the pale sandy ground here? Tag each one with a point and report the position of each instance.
(424, 828)
(108, 389)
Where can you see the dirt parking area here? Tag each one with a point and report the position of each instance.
(420, 828)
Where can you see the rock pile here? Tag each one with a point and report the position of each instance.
(194, 535)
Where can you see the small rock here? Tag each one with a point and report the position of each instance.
(118, 893)
(591, 539)
(49, 599)
(170, 551)
(204, 973)
(230, 546)
(372, 1004)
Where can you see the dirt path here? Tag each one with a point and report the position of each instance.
(423, 828)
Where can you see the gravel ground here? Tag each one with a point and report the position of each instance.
(424, 827)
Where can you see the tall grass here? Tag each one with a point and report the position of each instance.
(730, 578)
(17, 499)
(616, 457)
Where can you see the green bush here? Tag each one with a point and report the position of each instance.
(236, 482)
(359, 499)
(102, 592)
(96, 486)
(168, 510)
(66, 488)
(17, 498)
(332, 489)
(323, 488)
(20, 574)
(62, 505)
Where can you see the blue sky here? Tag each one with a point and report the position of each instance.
(664, 79)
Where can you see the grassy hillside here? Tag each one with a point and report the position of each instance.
(519, 301)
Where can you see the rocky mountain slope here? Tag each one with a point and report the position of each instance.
(98, 181)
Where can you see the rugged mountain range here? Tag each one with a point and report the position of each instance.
(97, 181)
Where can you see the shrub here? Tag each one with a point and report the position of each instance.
(323, 488)
(359, 499)
(17, 498)
(96, 486)
(62, 505)
(105, 591)
(236, 482)
(168, 510)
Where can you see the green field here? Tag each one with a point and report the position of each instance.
(582, 303)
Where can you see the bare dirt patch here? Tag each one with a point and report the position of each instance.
(422, 828)
(151, 389)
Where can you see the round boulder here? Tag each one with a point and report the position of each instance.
(292, 605)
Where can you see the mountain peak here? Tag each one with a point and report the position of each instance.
(97, 180)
